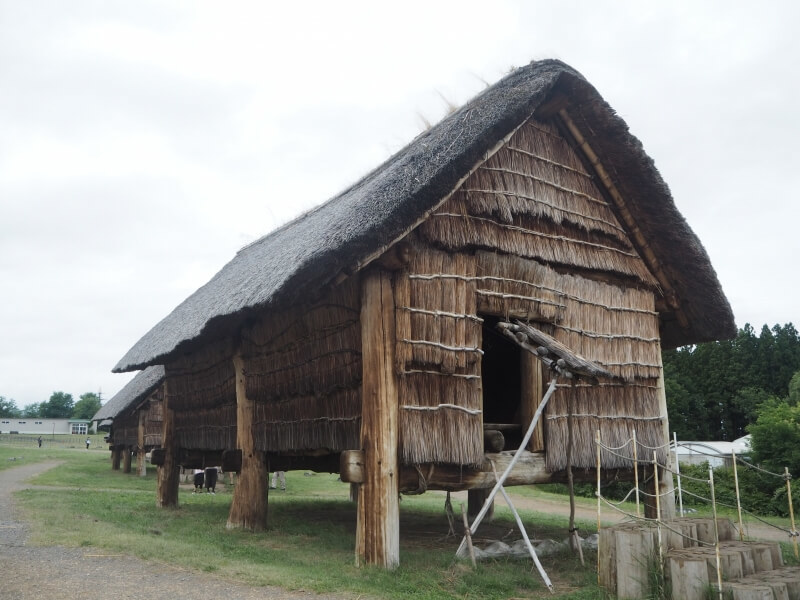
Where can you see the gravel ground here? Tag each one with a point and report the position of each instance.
(35, 573)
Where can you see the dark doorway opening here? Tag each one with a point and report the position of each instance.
(501, 380)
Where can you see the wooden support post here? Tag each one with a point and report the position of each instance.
(532, 390)
(168, 471)
(141, 465)
(475, 500)
(126, 459)
(378, 521)
(250, 497)
(115, 457)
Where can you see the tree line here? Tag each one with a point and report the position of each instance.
(60, 406)
(716, 390)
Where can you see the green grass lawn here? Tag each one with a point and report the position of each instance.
(309, 543)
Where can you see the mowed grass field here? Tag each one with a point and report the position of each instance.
(310, 539)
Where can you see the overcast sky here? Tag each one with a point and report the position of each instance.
(143, 143)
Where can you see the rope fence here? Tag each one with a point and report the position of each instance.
(668, 470)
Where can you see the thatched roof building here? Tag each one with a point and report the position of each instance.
(133, 415)
(532, 201)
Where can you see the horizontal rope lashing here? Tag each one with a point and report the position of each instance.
(539, 234)
(314, 420)
(420, 371)
(546, 182)
(441, 313)
(552, 205)
(518, 297)
(627, 364)
(469, 411)
(568, 386)
(548, 160)
(596, 416)
(579, 299)
(608, 336)
(444, 347)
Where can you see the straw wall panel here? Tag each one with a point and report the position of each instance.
(153, 425)
(303, 371)
(201, 390)
(438, 359)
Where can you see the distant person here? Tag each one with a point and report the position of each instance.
(88, 442)
(39, 441)
(211, 480)
(278, 475)
(198, 481)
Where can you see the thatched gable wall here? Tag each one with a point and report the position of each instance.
(513, 231)
(154, 422)
(303, 372)
(201, 392)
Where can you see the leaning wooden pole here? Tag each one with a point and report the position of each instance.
(378, 520)
(168, 471)
(788, 479)
(250, 496)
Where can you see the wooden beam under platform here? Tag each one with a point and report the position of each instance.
(529, 469)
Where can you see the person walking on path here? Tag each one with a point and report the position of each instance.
(88, 441)
(39, 441)
(211, 480)
(278, 475)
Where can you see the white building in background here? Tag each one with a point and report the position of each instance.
(717, 454)
(42, 426)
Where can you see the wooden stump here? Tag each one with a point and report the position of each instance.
(115, 458)
(688, 575)
(126, 460)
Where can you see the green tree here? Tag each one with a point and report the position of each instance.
(33, 410)
(8, 408)
(59, 406)
(775, 439)
(87, 406)
(794, 389)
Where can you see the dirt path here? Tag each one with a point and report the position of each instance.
(34, 573)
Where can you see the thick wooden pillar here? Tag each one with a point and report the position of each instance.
(141, 466)
(378, 522)
(169, 471)
(126, 459)
(250, 497)
(115, 456)
(531, 393)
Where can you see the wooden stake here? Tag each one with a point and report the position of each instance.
(141, 464)
(738, 498)
(378, 520)
(716, 531)
(791, 507)
(636, 473)
(126, 459)
(250, 496)
(468, 536)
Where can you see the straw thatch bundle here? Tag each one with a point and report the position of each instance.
(303, 371)
(201, 392)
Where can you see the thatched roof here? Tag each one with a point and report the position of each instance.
(296, 260)
(136, 390)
